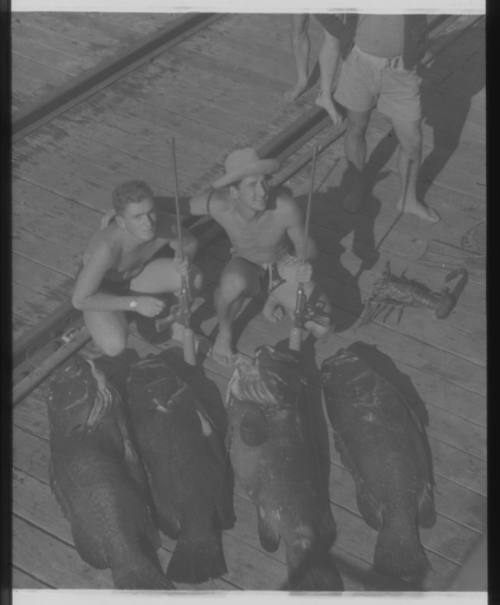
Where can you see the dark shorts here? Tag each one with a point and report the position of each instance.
(272, 282)
(117, 288)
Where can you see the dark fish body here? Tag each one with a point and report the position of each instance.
(383, 444)
(274, 463)
(187, 466)
(96, 478)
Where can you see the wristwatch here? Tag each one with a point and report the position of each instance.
(133, 303)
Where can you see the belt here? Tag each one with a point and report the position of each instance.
(389, 62)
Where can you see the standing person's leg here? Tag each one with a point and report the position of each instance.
(355, 138)
(301, 46)
(329, 58)
(355, 153)
(239, 280)
(357, 91)
(409, 135)
(400, 100)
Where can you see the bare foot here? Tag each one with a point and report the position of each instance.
(222, 352)
(317, 330)
(273, 311)
(325, 101)
(415, 207)
(294, 93)
(177, 332)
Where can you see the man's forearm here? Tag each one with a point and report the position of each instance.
(102, 302)
(189, 245)
(311, 252)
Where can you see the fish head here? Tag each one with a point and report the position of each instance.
(344, 364)
(153, 384)
(71, 394)
(271, 378)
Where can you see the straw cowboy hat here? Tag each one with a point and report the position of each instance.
(244, 162)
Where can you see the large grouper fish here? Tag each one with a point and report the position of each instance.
(97, 477)
(382, 442)
(188, 467)
(274, 462)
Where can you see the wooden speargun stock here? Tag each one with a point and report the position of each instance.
(184, 295)
(295, 340)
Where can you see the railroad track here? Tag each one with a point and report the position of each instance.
(62, 333)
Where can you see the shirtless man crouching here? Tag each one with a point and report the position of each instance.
(119, 273)
(264, 225)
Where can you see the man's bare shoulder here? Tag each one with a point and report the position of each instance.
(285, 203)
(220, 201)
(212, 201)
(105, 244)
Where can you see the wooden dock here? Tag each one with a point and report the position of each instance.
(220, 89)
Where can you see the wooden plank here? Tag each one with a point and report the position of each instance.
(23, 580)
(58, 257)
(31, 305)
(69, 219)
(30, 48)
(100, 34)
(106, 73)
(39, 73)
(39, 34)
(32, 548)
(161, 126)
(73, 182)
(150, 142)
(38, 278)
(51, 228)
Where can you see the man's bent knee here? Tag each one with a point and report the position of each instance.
(232, 286)
(356, 129)
(112, 347)
(195, 279)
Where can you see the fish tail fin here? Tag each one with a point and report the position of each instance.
(143, 574)
(196, 559)
(399, 554)
(316, 572)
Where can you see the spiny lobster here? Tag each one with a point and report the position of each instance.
(390, 292)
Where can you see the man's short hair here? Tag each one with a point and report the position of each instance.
(131, 192)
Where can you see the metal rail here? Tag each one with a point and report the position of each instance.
(107, 72)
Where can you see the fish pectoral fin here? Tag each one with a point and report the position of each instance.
(169, 522)
(269, 538)
(58, 495)
(253, 428)
(426, 509)
(91, 554)
(151, 532)
(367, 506)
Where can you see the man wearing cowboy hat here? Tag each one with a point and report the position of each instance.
(263, 225)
